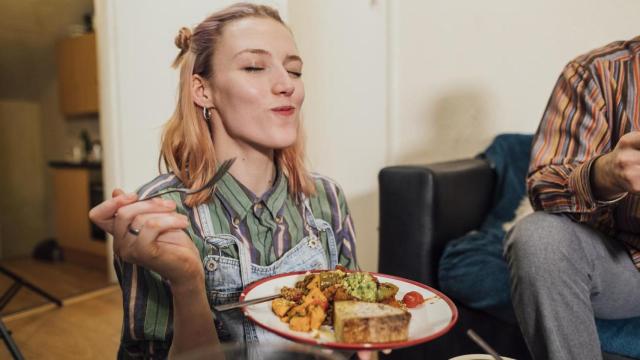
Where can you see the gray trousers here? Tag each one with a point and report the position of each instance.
(564, 274)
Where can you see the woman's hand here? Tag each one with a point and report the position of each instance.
(160, 244)
(103, 215)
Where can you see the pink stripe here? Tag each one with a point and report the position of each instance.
(156, 186)
(132, 301)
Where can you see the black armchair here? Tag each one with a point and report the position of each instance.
(421, 209)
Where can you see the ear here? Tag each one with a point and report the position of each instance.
(201, 91)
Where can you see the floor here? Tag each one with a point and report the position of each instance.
(88, 324)
(86, 327)
(62, 280)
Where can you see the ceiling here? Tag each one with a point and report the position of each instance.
(28, 32)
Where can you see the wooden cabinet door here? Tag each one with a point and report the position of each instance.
(71, 206)
(77, 75)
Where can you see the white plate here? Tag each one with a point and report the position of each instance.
(429, 321)
(478, 357)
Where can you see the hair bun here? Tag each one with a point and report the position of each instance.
(183, 39)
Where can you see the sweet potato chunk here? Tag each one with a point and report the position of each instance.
(300, 323)
(317, 315)
(280, 306)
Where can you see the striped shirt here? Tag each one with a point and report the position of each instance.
(595, 101)
(270, 224)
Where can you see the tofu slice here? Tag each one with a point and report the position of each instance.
(363, 322)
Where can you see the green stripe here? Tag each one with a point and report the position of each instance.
(275, 201)
(233, 193)
(254, 236)
(162, 314)
(151, 315)
(294, 220)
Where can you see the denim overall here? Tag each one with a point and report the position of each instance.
(226, 277)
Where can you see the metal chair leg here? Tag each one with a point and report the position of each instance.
(8, 340)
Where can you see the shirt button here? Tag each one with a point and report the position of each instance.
(279, 219)
(257, 206)
(236, 221)
(313, 242)
(211, 265)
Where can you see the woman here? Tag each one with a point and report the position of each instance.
(240, 96)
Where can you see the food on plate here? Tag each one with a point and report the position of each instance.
(412, 299)
(357, 299)
(365, 322)
(361, 286)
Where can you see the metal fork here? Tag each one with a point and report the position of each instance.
(224, 167)
(225, 307)
(483, 344)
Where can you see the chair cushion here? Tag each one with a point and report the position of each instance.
(473, 270)
(620, 336)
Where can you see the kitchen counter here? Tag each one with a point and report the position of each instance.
(61, 164)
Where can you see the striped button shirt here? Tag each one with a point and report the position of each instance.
(595, 101)
(272, 224)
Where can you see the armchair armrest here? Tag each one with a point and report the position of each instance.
(423, 207)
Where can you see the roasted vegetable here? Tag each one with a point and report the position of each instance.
(386, 291)
(330, 278)
(292, 294)
(280, 306)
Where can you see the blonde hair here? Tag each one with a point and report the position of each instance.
(187, 148)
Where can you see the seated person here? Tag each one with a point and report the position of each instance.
(578, 256)
(240, 96)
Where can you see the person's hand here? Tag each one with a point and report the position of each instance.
(150, 233)
(103, 215)
(618, 172)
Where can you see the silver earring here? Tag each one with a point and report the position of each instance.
(206, 113)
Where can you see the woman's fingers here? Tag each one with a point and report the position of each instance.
(126, 214)
(143, 248)
(117, 192)
(102, 215)
(139, 221)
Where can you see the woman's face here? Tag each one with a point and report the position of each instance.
(257, 87)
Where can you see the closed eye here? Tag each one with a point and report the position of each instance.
(253, 69)
(296, 74)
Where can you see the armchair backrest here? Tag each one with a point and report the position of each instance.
(423, 207)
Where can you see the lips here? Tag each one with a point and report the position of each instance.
(284, 110)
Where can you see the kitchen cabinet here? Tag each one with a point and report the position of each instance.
(75, 189)
(77, 75)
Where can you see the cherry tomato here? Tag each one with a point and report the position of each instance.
(412, 299)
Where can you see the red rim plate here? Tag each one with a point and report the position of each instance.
(356, 346)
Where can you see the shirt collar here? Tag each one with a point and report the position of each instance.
(238, 199)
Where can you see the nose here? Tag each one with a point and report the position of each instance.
(283, 84)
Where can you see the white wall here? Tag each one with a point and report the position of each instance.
(467, 70)
(343, 45)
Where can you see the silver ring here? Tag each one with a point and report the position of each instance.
(134, 232)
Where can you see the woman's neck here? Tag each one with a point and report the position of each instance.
(254, 166)
(253, 169)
